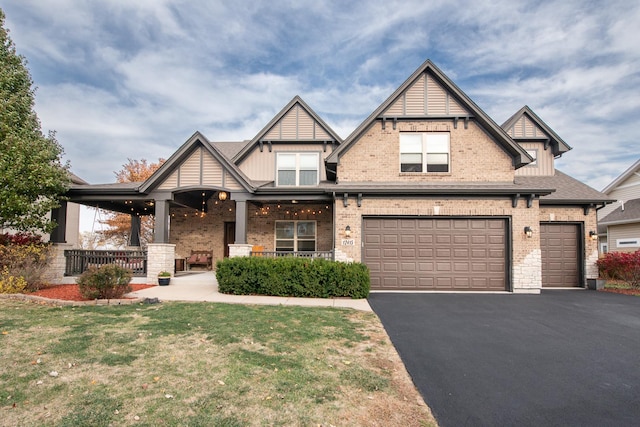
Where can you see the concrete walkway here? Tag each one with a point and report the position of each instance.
(203, 286)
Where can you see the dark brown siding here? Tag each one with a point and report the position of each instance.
(560, 255)
(435, 253)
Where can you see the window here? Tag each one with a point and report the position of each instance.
(632, 242)
(534, 154)
(297, 169)
(424, 152)
(295, 236)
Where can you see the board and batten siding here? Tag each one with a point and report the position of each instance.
(629, 189)
(297, 124)
(200, 169)
(425, 97)
(261, 166)
(622, 232)
(545, 162)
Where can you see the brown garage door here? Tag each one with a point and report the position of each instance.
(435, 253)
(560, 255)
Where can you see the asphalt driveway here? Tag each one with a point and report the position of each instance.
(562, 358)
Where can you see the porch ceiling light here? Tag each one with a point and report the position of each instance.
(593, 235)
(528, 231)
(222, 195)
(347, 231)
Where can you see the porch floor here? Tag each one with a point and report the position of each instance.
(203, 286)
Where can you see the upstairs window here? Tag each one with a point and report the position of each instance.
(297, 169)
(424, 152)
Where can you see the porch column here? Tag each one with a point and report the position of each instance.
(59, 215)
(134, 238)
(161, 232)
(241, 221)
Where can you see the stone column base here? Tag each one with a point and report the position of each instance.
(160, 257)
(239, 249)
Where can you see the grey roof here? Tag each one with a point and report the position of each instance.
(626, 174)
(449, 188)
(75, 179)
(631, 213)
(230, 148)
(117, 186)
(557, 143)
(568, 190)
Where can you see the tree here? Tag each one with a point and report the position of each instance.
(119, 224)
(32, 175)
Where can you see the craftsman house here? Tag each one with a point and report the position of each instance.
(428, 191)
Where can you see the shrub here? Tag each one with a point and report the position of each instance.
(623, 266)
(106, 282)
(10, 284)
(25, 257)
(290, 276)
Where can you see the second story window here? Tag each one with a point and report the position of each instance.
(297, 169)
(424, 152)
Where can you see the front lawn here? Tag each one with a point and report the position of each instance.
(200, 364)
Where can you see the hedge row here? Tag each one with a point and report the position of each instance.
(623, 266)
(289, 276)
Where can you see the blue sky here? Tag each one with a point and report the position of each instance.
(121, 79)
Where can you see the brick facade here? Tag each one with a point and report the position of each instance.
(475, 157)
(589, 223)
(525, 251)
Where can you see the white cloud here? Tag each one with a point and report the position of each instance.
(120, 79)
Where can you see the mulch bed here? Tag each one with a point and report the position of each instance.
(72, 292)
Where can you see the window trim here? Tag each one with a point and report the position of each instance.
(295, 234)
(425, 152)
(298, 168)
(529, 151)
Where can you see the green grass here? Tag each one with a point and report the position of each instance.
(199, 364)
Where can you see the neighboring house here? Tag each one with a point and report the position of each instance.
(619, 223)
(428, 191)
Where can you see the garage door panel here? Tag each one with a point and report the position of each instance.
(437, 253)
(561, 256)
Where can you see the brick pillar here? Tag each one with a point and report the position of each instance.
(160, 257)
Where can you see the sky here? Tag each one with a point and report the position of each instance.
(121, 79)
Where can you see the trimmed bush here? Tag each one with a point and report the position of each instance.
(623, 266)
(290, 276)
(107, 282)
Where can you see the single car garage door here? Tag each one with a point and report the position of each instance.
(561, 258)
(436, 253)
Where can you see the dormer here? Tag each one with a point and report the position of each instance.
(290, 150)
(538, 139)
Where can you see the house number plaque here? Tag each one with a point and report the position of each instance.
(348, 242)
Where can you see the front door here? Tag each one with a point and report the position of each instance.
(229, 236)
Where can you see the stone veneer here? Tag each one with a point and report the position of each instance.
(160, 257)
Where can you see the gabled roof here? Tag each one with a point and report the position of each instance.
(259, 138)
(626, 174)
(569, 191)
(630, 214)
(229, 148)
(557, 144)
(183, 152)
(519, 155)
